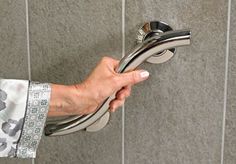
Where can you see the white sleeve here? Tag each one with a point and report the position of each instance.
(23, 110)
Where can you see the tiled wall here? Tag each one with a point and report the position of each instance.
(174, 117)
(67, 39)
(230, 126)
(13, 51)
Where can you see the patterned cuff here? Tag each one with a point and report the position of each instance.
(36, 113)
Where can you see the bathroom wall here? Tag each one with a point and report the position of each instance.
(230, 128)
(13, 48)
(174, 117)
(67, 40)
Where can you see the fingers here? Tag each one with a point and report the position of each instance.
(110, 61)
(124, 79)
(124, 92)
(114, 104)
(117, 81)
(120, 98)
(132, 77)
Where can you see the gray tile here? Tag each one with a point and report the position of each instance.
(68, 38)
(230, 129)
(176, 116)
(103, 147)
(15, 160)
(13, 62)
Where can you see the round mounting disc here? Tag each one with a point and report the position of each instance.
(99, 124)
(154, 28)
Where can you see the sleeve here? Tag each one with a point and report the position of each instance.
(23, 110)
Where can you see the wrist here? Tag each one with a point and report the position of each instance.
(61, 100)
(86, 100)
(72, 100)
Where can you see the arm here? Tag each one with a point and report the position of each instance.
(24, 105)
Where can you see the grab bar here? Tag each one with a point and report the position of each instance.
(153, 45)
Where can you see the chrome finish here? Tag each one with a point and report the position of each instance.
(150, 29)
(153, 45)
(99, 124)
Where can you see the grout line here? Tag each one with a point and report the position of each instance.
(226, 81)
(123, 134)
(28, 47)
(123, 107)
(123, 28)
(27, 37)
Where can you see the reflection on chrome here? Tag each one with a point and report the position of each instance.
(153, 45)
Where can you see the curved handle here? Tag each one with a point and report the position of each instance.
(130, 62)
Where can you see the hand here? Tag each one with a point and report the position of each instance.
(85, 98)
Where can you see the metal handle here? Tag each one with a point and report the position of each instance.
(140, 54)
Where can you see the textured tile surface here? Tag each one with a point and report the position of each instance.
(68, 38)
(15, 160)
(230, 129)
(13, 56)
(13, 62)
(176, 116)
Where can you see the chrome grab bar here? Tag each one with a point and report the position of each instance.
(152, 46)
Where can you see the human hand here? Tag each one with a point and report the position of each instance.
(102, 82)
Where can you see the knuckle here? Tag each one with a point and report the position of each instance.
(128, 94)
(133, 78)
(113, 106)
(121, 96)
(115, 81)
(129, 88)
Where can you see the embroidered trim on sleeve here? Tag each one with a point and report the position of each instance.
(37, 109)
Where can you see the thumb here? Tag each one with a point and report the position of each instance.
(133, 77)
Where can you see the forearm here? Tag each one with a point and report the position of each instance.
(71, 100)
(61, 100)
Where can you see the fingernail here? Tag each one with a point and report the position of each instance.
(144, 74)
